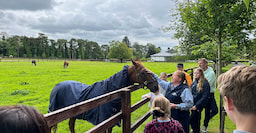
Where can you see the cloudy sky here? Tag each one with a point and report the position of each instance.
(95, 20)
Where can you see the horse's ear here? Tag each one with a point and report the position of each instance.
(134, 62)
(138, 59)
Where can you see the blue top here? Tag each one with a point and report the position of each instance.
(239, 131)
(186, 95)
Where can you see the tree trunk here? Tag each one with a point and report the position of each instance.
(219, 67)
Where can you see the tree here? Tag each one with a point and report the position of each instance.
(4, 48)
(151, 49)
(119, 51)
(96, 51)
(105, 50)
(138, 50)
(221, 20)
(81, 47)
(127, 42)
(73, 47)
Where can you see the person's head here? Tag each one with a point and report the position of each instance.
(161, 107)
(199, 75)
(22, 119)
(203, 63)
(180, 66)
(178, 77)
(163, 76)
(238, 87)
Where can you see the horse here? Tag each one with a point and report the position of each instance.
(34, 62)
(71, 92)
(66, 64)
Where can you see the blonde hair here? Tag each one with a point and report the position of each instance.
(200, 80)
(239, 84)
(161, 105)
(182, 75)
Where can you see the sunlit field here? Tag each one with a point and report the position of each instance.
(23, 83)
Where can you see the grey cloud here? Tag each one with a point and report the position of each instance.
(26, 4)
(98, 20)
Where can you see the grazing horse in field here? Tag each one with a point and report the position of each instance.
(66, 64)
(70, 92)
(34, 62)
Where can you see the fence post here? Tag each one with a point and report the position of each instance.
(126, 107)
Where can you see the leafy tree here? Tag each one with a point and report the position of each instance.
(119, 51)
(81, 47)
(72, 47)
(61, 48)
(138, 50)
(4, 48)
(53, 48)
(14, 45)
(209, 50)
(221, 20)
(151, 49)
(105, 50)
(96, 51)
(127, 42)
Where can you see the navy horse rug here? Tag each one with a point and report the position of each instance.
(71, 92)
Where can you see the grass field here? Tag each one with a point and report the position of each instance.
(23, 83)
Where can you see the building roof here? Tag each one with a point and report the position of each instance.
(163, 54)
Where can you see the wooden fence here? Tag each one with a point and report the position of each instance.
(125, 114)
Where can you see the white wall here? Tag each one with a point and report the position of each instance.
(158, 59)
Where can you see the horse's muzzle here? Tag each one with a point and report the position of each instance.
(152, 87)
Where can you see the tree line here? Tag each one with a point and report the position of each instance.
(42, 47)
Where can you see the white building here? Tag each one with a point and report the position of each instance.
(162, 56)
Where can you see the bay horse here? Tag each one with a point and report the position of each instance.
(71, 92)
(66, 64)
(34, 62)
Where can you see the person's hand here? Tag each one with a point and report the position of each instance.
(148, 97)
(148, 71)
(193, 108)
(173, 106)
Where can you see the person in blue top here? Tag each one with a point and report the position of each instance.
(180, 97)
(200, 90)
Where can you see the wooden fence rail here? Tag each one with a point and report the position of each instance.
(60, 115)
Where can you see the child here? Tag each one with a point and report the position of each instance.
(163, 123)
(151, 96)
(238, 87)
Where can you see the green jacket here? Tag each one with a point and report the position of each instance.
(210, 76)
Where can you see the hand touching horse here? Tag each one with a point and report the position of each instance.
(71, 92)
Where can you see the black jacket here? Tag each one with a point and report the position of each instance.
(200, 98)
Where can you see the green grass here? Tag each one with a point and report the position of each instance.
(23, 83)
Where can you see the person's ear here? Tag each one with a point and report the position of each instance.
(229, 103)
